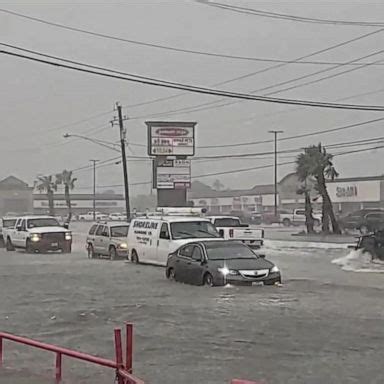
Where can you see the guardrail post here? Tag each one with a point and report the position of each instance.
(119, 354)
(58, 367)
(129, 347)
(1, 351)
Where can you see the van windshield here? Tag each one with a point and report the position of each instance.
(193, 229)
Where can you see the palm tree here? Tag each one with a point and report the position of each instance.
(316, 162)
(65, 178)
(309, 220)
(47, 185)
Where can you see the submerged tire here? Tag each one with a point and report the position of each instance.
(134, 257)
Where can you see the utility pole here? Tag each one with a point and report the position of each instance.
(94, 187)
(123, 133)
(275, 133)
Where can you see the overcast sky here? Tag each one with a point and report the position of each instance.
(38, 103)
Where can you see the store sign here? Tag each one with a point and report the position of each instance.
(171, 138)
(358, 191)
(172, 174)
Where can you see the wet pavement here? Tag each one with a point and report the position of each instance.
(324, 325)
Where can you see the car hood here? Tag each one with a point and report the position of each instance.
(243, 264)
(47, 229)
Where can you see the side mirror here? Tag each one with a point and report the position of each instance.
(18, 228)
(164, 236)
(66, 225)
(262, 256)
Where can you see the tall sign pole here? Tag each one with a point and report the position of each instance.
(275, 133)
(94, 187)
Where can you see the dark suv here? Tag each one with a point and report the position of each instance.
(365, 220)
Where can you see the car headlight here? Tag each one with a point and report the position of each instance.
(123, 245)
(274, 269)
(68, 236)
(35, 237)
(225, 271)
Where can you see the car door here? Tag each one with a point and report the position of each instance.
(16, 236)
(183, 262)
(98, 239)
(194, 266)
(163, 244)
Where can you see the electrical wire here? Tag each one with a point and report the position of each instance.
(158, 46)
(283, 16)
(207, 91)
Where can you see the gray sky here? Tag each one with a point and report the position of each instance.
(40, 103)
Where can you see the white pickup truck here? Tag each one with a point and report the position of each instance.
(297, 217)
(38, 234)
(231, 228)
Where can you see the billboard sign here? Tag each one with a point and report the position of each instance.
(172, 174)
(354, 191)
(171, 138)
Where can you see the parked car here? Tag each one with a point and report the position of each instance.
(372, 243)
(231, 228)
(213, 262)
(117, 217)
(38, 234)
(89, 216)
(290, 217)
(108, 239)
(364, 220)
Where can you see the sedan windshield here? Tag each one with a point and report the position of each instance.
(43, 222)
(228, 250)
(120, 231)
(193, 229)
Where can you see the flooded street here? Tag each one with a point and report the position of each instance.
(324, 325)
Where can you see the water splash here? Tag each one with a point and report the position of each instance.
(359, 261)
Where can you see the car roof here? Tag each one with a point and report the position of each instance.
(171, 219)
(35, 217)
(223, 217)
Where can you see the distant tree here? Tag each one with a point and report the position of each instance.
(65, 178)
(217, 185)
(48, 185)
(316, 162)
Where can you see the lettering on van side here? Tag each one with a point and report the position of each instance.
(145, 224)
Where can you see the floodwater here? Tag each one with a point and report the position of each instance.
(323, 325)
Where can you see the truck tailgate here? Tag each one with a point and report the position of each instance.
(248, 234)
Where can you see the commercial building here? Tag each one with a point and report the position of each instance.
(347, 195)
(15, 196)
(81, 203)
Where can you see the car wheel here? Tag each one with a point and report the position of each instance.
(135, 257)
(286, 222)
(9, 246)
(364, 230)
(112, 253)
(91, 252)
(171, 274)
(208, 280)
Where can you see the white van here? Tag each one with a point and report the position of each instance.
(151, 240)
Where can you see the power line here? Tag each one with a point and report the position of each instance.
(283, 16)
(158, 46)
(208, 91)
(216, 104)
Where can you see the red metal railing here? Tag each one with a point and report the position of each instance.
(123, 371)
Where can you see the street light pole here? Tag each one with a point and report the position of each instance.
(275, 133)
(94, 188)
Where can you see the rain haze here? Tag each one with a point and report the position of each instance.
(242, 249)
(41, 103)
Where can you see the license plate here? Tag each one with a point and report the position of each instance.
(54, 244)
